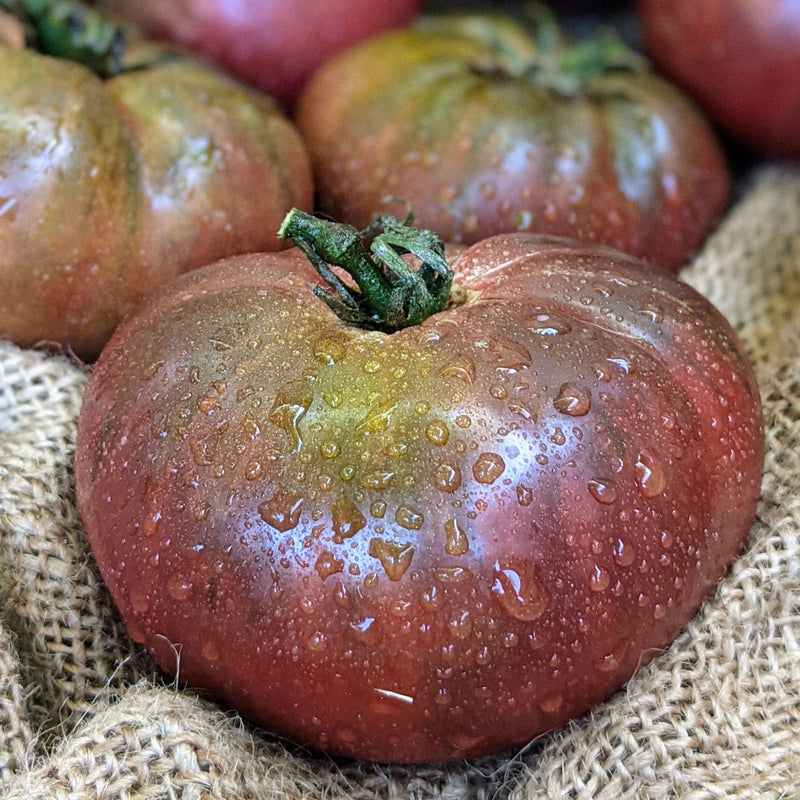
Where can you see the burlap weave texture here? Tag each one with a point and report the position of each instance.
(84, 715)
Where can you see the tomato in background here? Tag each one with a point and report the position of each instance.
(486, 124)
(274, 45)
(739, 58)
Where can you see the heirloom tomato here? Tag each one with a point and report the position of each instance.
(486, 126)
(739, 58)
(112, 186)
(272, 44)
(435, 537)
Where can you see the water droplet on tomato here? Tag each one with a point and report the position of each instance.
(328, 352)
(447, 478)
(519, 590)
(409, 518)
(573, 400)
(282, 510)
(460, 626)
(552, 704)
(599, 580)
(329, 449)
(139, 600)
(327, 564)
(378, 479)
(437, 433)
(488, 468)
(524, 495)
(395, 558)
(253, 470)
(178, 588)
(462, 368)
(650, 476)
(604, 491)
(456, 541)
(290, 406)
(367, 631)
(346, 519)
(377, 418)
(623, 554)
(549, 325)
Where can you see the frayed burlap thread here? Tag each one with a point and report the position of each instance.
(83, 714)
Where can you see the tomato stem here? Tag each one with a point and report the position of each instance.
(70, 30)
(389, 294)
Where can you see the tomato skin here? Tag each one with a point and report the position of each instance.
(427, 115)
(110, 188)
(739, 58)
(428, 545)
(274, 45)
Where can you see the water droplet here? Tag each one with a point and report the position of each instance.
(460, 626)
(456, 542)
(367, 631)
(431, 599)
(151, 371)
(599, 580)
(346, 519)
(549, 325)
(573, 400)
(328, 352)
(253, 470)
(179, 589)
(623, 554)
(650, 476)
(329, 449)
(291, 404)
(524, 495)
(327, 564)
(333, 399)
(604, 491)
(395, 558)
(447, 478)
(409, 518)
(378, 509)
(552, 704)
(140, 602)
(204, 449)
(519, 591)
(488, 468)
(379, 480)
(282, 511)
(210, 650)
(462, 368)
(437, 433)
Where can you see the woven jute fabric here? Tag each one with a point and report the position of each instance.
(83, 713)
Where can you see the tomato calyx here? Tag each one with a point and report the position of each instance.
(70, 30)
(389, 294)
(538, 50)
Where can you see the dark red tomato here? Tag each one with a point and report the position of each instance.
(739, 58)
(423, 545)
(484, 126)
(272, 44)
(110, 187)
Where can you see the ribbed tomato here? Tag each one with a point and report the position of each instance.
(426, 544)
(111, 186)
(485, 126)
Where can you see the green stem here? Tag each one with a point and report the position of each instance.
(389, 294)
(71, 30)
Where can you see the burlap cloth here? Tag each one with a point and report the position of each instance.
(84, 715)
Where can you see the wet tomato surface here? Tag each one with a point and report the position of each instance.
(484, 126)
(429, 544)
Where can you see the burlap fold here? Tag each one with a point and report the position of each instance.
(83, 714)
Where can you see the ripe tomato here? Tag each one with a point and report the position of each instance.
(109, 188)
(739, 58)
(429, 544)
(486, 127)
(272, 44)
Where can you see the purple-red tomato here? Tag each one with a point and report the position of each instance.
(272, 44)
(429, 544)
(739, 58)
(485, 126)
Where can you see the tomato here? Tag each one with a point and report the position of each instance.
(484, 127)
(739, 58)
(426, 544)
(272, 44)
(110, 187)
